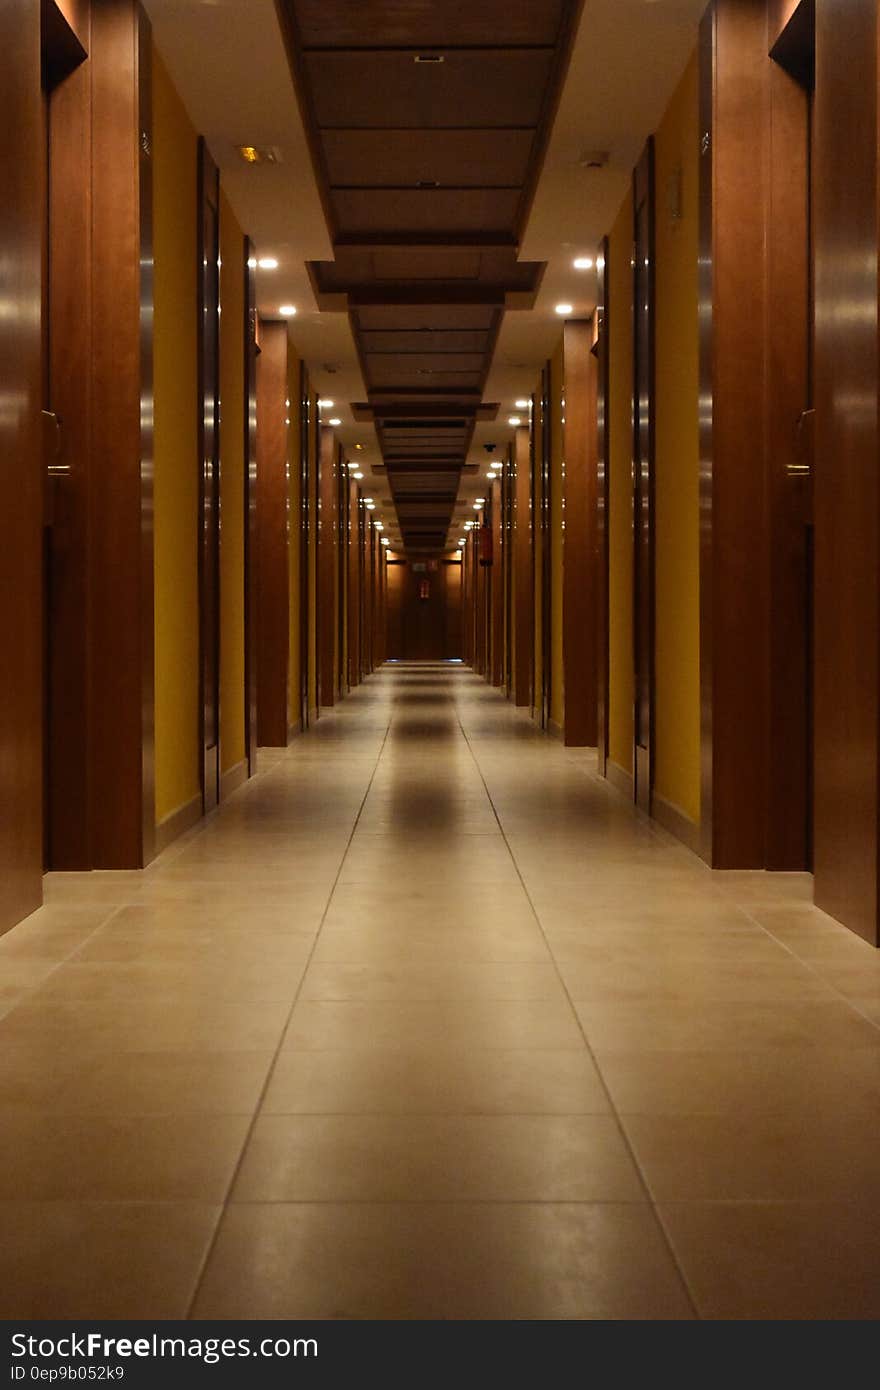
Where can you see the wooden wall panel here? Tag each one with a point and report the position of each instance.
(70, 350)
(788, 833)
(121, 790)
(847, 543)
(21, 474)
(496, 582)
(580, 568)
(397, 570)
(603, 480)
(328, 529)
(733, 122)
(272, 578)
(250, 507)
(523, 599)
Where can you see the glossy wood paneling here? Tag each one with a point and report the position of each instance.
(328, 529)
(847, 543)
(733, 628)
(523, 597)
(580, 569)
(76, 15)
(272, 579)
(603, 476)
(250, 509)
(207, 270)
(544, 464)
(789, 392)
(644, 271)
(69, 309)
(21, 473)
(496, 582)
(121, 786)
(352, 547)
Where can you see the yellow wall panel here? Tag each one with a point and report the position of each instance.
(175, 450)
(620, 533)
(232, 465)
(677, 611)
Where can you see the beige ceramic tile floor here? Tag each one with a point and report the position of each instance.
(428, 1022)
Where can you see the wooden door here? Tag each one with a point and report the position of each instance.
(209, 470)
(643, 473)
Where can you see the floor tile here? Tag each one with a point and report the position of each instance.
(83, 1261)
(774, 1260)
(376, 1158)
(441, 1262)
(445, 1081)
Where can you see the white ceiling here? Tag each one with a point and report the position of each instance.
(227, 60)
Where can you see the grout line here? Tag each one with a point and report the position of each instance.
(615, 1115)
(212, 1244)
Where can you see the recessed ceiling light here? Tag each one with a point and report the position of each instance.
(353, 465)
(287, 311)
(358, 446)
(514, 420)
(267, 263)
(371, 506)
(335, 421)
(583, 263)
(480, 501)
(492, 474)
(521, 405)
(259, 154)
(358, 476)
(564, 309)
(385, 540)
(368, 499)
(326, 405)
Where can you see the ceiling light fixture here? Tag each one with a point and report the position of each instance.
(352, 464)
(358, 476)
(522, 404)
(583, 263)
(267, 263)
(371, 506)
(326, 405)
(287, 311)
(514, 420)
(335, 421)
(564, 309)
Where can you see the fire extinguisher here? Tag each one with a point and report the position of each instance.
(485, 543)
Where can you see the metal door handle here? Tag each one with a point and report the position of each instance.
(54, 468)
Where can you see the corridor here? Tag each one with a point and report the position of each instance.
(428, 1021)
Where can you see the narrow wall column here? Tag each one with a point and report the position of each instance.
(847, 490)
(580, 566)
(733, 660)
(21, 476)
(272, 565)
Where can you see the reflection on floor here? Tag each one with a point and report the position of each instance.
(428, 1022)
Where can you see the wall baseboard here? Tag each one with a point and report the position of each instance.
(673, 819)
(555, 730)
(294, 730)
(620, 779)
(178, 822)
(233, 778)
